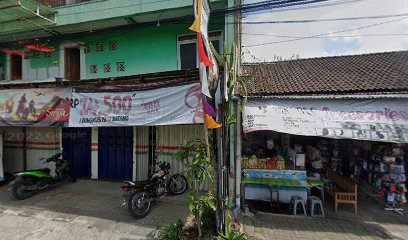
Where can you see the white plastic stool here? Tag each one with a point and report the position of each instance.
(294, 202)
(316, 207)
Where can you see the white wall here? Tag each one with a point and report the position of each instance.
(13, 152)
(141, 142)
(41, 142)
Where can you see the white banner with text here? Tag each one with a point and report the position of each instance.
(163, 106)
(375, 119)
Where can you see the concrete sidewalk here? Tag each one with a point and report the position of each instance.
(83, 210)
(372, 222)
(285, 227)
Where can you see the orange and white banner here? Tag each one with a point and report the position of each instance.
(35, 107)
(198, 7)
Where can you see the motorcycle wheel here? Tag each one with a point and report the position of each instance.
(138, 210)
(178, 184)
(19, 193)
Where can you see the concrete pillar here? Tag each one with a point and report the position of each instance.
(94, 153)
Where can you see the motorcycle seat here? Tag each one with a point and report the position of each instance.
(141, 183)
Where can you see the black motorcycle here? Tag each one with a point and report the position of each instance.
(29, 182)
(139, 196)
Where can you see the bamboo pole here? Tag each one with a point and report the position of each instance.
(206, 135)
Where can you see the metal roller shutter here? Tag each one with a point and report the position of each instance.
(142, 153)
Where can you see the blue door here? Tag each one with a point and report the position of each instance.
(76, 144)
(115, 154)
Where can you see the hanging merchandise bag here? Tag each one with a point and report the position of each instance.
(403, 198)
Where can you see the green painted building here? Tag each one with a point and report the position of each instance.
(100, 38)
(58, 43)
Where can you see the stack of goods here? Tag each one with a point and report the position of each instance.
(388, 173)
(325, 153)
(245, 163)
(251, 163)
(359, 164)
(376, 167)
(261, 164)
(275, 163)
(254, 163)
(394, 178)
(272, 163)
(280, 165)
(331, 155)
(336, 158)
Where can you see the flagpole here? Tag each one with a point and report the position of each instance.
(206, 138)
(200, 26)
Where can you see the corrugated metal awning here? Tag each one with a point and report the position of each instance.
(19, 15)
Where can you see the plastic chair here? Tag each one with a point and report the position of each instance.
(294, 203)
(316, 207)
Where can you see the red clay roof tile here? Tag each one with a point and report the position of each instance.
(343, 74)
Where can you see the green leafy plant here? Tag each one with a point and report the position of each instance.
(231, 234)
(199, 206)
(193, 155)
(209, 220)
(173, 231)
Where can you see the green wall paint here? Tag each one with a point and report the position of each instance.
(43, 61)
(148, 50)
(108, 9)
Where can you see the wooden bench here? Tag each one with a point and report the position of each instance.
(345, 191)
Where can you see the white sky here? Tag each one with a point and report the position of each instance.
(329, 44)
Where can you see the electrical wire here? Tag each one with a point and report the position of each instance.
(324, 34)
(325, 19)
(117, 7)
(296, 8)
(245, 8)
(332, 36)
(319, 20)
(267, 5)
(223, 12)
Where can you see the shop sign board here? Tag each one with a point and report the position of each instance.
(34, 107)
(375, 119)
(163, 106)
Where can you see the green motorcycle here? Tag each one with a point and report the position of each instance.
(28, 183)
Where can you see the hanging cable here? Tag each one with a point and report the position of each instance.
(324, 34)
